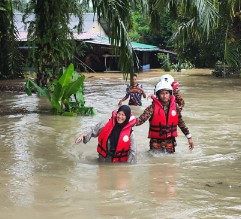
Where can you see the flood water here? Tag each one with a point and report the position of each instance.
(43, 174)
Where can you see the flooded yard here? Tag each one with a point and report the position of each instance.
(44, 174)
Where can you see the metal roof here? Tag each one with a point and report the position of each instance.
(102, 40)
(88, 20)
(86, 35)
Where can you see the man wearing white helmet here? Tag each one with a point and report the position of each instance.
(176, 92)
(164, 116)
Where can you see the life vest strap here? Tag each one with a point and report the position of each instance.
(101, 148)
(166, 130)
(121, 154)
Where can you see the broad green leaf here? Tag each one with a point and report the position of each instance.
(66, 78)
(32, 85)
(56, 97)
(27, 88)
(73, 87)
(58, 92)
(80, 98)
(76, 75)
(48, 94)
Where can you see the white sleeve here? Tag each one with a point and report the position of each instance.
(132, 157)
(94, 131)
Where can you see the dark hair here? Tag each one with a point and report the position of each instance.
(135, 75)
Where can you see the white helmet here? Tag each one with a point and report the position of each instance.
(163, 85)
(167, 78)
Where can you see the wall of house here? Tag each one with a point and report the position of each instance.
(97, 29)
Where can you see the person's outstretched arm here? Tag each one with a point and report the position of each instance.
(145, 115)
(94, 132)
(185, 130)
(123, 99)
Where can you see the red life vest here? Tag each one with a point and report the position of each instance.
(162, 127)
(175, 85)
(123, 146)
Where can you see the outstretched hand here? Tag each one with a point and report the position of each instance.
(79, 139)
(191, 144)
(149, 96)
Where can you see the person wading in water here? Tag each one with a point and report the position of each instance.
(116, 140)
(135, 92)
(164, 116)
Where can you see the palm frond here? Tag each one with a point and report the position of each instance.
(118, 15)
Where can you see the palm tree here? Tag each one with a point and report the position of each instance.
(50, 37)
(230, 20)
(200, 19)
(10, 59)
(49, 33)
(118, 16)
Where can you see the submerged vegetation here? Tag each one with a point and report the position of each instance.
(66, 94)
(200, 32)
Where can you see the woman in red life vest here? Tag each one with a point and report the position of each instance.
(116, 142)
(164, 116)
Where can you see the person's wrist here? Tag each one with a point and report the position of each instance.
(188, 136)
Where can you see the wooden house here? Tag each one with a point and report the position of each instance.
(98, 53)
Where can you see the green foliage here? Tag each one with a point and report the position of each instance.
(66, 94)
(165, 61)
(118, 17)
(50, 36)
(223, 70)
(141, 30)
(10, 58)
(220, 23)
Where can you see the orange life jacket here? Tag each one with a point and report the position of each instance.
(162, 127)
(123, 146)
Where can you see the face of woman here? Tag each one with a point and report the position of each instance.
(120, 117)
(164, 96)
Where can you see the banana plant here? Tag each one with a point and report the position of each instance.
(66, 94)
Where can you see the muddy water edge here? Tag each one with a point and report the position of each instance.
(45, 175)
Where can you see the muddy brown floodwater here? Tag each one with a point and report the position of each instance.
(45, 175)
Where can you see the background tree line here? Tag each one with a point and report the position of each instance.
(201, 32)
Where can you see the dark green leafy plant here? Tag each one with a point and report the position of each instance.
(165, 61)
(10, 58)
(66, 94)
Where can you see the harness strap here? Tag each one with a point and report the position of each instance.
(121, 154)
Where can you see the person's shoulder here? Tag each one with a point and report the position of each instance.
(176, 91)
(103, 122)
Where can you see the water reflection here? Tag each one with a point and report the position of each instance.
(19, 137)
(113, 177)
